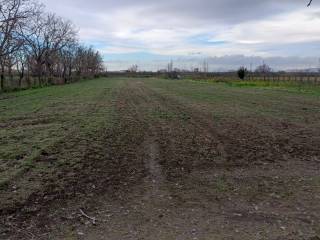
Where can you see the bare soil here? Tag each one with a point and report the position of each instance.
(167, 170)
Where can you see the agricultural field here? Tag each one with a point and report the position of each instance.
(147, 158)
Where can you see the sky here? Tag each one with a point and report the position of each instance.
(226, 33)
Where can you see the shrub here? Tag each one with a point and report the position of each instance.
(174, 75)
(242, 72)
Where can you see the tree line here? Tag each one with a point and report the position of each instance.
(40, 48)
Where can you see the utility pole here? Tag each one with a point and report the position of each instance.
(170, 66)
(205, 66)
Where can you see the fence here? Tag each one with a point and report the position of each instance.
(311, 78)
(303, 78)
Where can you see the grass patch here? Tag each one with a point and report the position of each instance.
(36, 119)
(298, 87)
(221, 185)
(245, 100)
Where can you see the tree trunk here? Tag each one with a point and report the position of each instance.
(64, 74)
(49, 74)
(39, 72)
(21, 76)
(28, 76)
(10, 75)
(70, 73)
(2, 77)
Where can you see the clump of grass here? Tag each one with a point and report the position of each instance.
(221, 185)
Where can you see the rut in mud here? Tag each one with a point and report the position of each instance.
(167, 170)
(155, 175)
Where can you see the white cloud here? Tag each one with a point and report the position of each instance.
(248, 27)
(290, 28)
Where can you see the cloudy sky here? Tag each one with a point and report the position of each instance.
(151, 32)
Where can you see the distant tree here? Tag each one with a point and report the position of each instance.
(133, 68)
(88, 63)
(242, 72)
(264, 68)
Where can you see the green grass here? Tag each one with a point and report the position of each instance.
(243, 100)
(34, 120)
(289, 86)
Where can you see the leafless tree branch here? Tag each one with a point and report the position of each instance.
(45, 45)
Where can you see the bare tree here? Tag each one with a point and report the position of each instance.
(60, 34)
(48, 35)
(13, 19)
(67, 60)
(88, 62)
(133, 68)
(21, 61)
(264, 68)
(43, 44)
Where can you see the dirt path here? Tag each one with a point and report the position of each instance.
(155, 177)
(175, 174)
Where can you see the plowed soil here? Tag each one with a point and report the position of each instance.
(181, 160)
